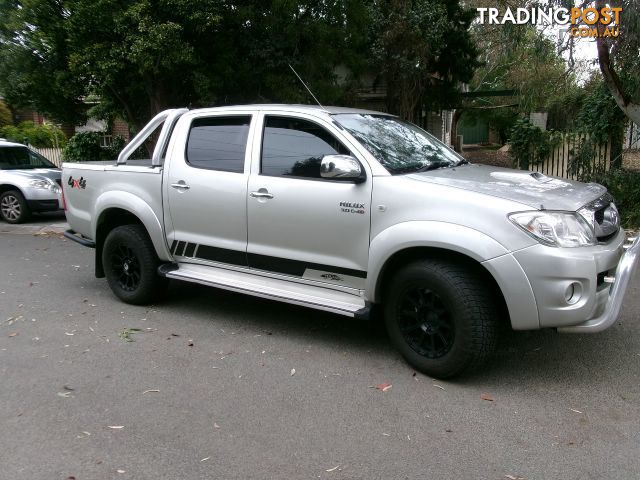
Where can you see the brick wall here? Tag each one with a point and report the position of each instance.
(121, 128)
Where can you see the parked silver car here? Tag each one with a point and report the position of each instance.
(28, 183)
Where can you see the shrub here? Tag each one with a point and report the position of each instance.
(85, 146)
(37, 135)
(530, 144)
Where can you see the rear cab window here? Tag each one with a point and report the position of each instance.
(218, 143)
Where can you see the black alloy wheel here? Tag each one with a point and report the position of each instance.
(425, 323)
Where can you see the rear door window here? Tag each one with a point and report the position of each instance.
(218, 143)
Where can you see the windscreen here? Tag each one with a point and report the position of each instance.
(399, 146)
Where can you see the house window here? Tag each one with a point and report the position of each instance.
(106, 141)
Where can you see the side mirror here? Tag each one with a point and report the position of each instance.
(341, 167)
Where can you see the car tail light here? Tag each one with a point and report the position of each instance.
(64, 201)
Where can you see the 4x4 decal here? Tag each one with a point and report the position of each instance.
(80, 183)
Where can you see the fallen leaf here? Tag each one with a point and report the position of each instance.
(293, 372)
(487, 397)
(13, 334)
(215, 425)
(333, 469)
(151, 391)
(384, 386)
(116, 427)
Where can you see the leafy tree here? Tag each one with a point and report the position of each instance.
(142, 56)
(619, 58)
(423, 50)
(5, 115)
(518, 58)
(34, 58)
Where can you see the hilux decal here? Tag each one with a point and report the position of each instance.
(352, 207)
(80, 183)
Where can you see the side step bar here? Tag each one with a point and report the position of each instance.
(271, 288)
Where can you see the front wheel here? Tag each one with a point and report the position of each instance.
(13, 207)
(130, 265)
(441, 317)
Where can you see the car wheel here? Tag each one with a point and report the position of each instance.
(130, 265)
(13, 207)
(441, 317)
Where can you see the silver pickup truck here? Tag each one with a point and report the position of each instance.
(342, 210)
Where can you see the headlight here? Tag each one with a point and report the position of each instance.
(557, 229)
(41, 184)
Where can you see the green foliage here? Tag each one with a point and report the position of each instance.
(624, 185)
(34, 59)
(530, 144)
(37, 135)
(85, 146)
(139, 57)
(5, 115)
(422, 49)
(599, 115)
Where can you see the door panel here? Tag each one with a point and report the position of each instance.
(207, 191)
(302, 225)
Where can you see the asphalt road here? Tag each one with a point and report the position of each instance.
(207, 390)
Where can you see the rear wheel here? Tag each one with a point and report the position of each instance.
(13, 207)
(441, 317)
(130, 265)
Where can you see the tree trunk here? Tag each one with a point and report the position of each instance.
(630, 108)
(457, 113)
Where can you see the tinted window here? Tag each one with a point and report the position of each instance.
(218, 143)
(294, 147)
(21, 158)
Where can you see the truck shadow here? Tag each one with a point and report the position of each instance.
(521, 357)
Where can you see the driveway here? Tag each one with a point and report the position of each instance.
(212, 385)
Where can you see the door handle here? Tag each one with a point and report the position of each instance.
(259, 194)
(180, 185)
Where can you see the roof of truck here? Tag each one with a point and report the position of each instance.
(332, 110)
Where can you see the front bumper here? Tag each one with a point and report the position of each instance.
(623, 275)
(42, 200)
(579, 289)
(43, 205)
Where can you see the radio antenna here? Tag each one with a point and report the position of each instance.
(305, 86)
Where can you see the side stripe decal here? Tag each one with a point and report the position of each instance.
(253, 260)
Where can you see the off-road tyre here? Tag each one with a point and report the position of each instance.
(131, 264)
(441, 317)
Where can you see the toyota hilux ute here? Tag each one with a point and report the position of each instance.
(28, 183)
(345, 210)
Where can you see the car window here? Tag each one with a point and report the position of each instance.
(21, 158)
(218, 143)
(295, 147)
